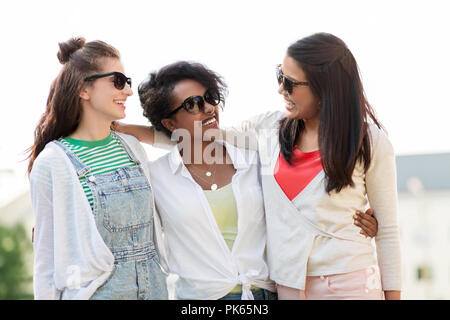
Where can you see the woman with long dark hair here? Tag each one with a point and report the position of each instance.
(91, 194)
(329, 157)
(322, 159)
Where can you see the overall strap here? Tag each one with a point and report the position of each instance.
(80, 167)
(127, 148)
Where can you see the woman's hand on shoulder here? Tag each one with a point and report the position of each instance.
(144, 134)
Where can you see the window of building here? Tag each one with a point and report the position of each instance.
(424, 272)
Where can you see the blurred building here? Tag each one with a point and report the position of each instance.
(424, 210)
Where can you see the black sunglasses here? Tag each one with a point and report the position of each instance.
(288, 84)
(196, 104)
(119, 79)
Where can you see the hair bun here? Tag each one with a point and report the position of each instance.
(66, 49)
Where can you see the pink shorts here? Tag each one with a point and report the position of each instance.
(363, 284)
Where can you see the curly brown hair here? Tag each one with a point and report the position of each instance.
(155, 93)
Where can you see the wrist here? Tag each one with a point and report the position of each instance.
(392, 295)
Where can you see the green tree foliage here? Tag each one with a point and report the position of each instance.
(15, 278)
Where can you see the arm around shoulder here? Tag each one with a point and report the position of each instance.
(144, 134)
(246, 134)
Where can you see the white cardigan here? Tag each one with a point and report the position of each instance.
(314, 234)
(196, 249)
(71, 259)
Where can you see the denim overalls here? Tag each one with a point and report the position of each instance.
(123, 211)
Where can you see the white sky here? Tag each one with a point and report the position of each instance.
(402, 48)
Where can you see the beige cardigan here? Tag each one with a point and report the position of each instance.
(314, 234)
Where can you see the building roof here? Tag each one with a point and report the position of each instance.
(433, 171)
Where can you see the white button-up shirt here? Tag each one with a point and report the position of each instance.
(193, 244)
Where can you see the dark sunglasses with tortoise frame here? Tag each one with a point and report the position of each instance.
(119, 79)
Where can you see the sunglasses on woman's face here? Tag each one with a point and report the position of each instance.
(288, 84)
(119, 79)
(196, 104)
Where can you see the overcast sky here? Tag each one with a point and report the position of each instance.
(402, 48)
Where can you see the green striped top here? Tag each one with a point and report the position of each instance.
(101, 156)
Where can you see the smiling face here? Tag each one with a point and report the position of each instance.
(208, 119)
(101, 99)
(301, 104)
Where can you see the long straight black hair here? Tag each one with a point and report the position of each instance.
(344, 136)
